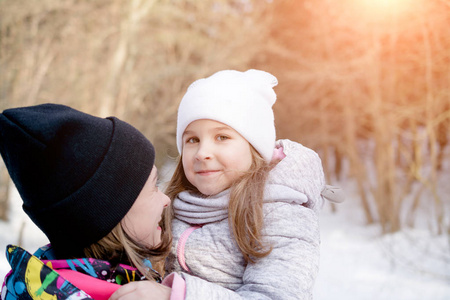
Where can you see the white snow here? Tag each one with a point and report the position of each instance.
(19, 230)
(357, 262)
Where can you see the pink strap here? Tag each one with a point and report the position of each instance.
(178, 286)
(181, 243)
(94, 287)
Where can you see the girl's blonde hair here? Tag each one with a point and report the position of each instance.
(119, 248)
(245, 209)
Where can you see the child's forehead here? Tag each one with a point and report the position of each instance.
(210, 127)
(207, 124)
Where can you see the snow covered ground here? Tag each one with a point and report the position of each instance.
(356, 261)
(359, 263)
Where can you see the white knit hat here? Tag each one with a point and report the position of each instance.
(241, 100)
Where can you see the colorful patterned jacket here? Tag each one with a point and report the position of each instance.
(39, 276)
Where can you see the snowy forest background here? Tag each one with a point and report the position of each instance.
(365, 83)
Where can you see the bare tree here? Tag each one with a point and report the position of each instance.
(133, 59)
(372, 84)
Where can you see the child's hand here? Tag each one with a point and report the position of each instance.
(300, 168)
(147, 290)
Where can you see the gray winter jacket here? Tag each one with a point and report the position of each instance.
(215, 266)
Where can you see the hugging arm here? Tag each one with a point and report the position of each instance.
(288, 272)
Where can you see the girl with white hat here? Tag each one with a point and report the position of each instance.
(244, 206)
(244, 214)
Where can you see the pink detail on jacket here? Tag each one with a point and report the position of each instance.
(180, 248)
(278, 154)
(178, 285)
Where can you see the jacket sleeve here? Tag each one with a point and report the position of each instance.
(288, 272)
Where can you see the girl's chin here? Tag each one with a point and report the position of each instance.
(211, 191)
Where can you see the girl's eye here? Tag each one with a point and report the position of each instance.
(192, 140)
(222, 137)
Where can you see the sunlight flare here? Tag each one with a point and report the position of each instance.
(384, 8)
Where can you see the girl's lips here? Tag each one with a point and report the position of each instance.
(207, 172)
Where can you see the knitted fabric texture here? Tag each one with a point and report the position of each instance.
(241, 100)
(78, 175)
(291, 227)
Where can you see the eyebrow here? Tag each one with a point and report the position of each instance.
(223, 128)
(212, 129)
(186, 132)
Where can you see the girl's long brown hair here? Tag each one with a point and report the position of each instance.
(119, 248)
(245, 209)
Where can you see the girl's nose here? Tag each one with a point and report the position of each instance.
(204, 151)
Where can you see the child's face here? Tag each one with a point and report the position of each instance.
(142, 221)
(214, 155)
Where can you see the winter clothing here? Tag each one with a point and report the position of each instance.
(38, 275)
(241, 100)
(70, 168)
(216, 269)
(41, 275)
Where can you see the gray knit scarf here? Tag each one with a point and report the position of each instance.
(195, 209)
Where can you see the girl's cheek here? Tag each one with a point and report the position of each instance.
(185, 162)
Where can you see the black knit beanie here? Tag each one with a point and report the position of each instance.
(78, 175)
